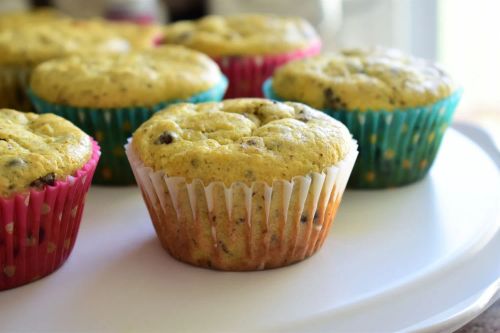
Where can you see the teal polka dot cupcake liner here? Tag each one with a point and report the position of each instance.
(395, 147)
(112, 127)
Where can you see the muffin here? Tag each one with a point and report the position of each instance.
(46, 167)
(24, 46)
(247, 47)
(139, 36)
(244, 184)
(22, 18)
(109, 96)
(397, 107)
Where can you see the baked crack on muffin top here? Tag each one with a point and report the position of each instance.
(243, 140)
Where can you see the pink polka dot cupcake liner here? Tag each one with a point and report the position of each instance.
(38, 229)
(246, 74)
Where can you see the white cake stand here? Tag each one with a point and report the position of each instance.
(423, 258)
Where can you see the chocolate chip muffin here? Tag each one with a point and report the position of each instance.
(109, 96)
(46, 168)
(244, 184)
(38, 150)
(23, 18)
(243, 34)
(363, 79)
(137, 78)
(247, 47)
(397, 107)
(24, 46)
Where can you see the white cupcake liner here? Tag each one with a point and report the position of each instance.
(14, 81)
(242, 227)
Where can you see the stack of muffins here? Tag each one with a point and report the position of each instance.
(243, 184)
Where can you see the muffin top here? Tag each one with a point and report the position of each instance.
(139, 36)
(17, 19)
(243, 34)
(37, 150)
(241, 140)
(362, 79)
(143, 78)
(35, 43)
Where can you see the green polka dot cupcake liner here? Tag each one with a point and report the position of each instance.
(395, 147)
(112, 127)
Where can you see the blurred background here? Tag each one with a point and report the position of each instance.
(461, 35)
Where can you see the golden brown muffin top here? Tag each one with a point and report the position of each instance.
(33, 44)
(22, 18)
(362, 79)
(143, 78)
(242, 140)
(243, 34)
(37, 150)
(139, 36)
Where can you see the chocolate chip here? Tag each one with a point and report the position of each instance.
(224, 247)
(48, 179)
(303, 115)
(303, 218)
(240, 220)
(329, 97)
(249, 174)
(15, 162)
(331, 100)
(251, 142)
(304, 118)
(182, 36)
(273, 146)
(195, 163)
(274, 238)
(165, 138)
(316, 218)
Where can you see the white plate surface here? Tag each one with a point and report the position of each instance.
(419, 258)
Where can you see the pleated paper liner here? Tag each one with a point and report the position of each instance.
(13, 84)
(246, 74)
(38, 229)
(112, 127)
(395, 147)
(241, 227)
